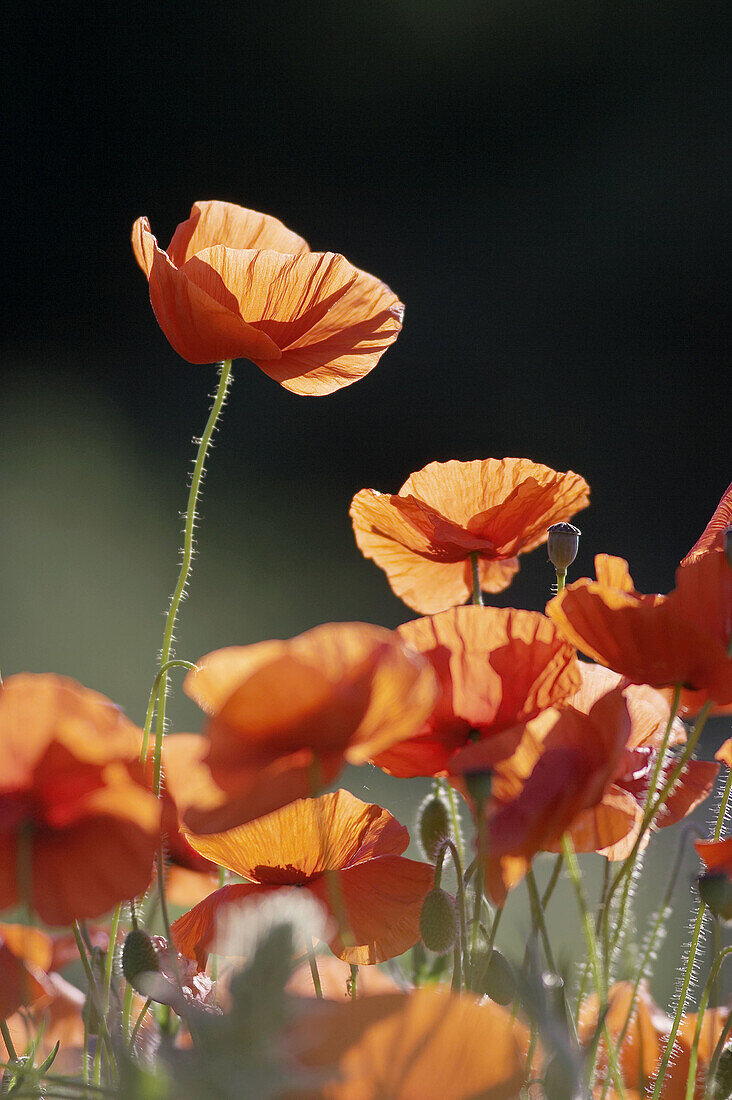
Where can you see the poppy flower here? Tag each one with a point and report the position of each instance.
(237, 284)
(717, 855)
(712, 538)
(285, 716)
(72, 795)
(658, 640)
(496, 667)
(429, 1042)
(25, 959)
(297, 847)
(534, 804)
(57, 1018)
(424, 536)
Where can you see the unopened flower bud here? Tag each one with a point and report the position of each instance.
(715, 890)
(562, 545)
(479, 784)
(433, 825)
(495, 977)
(138, 956)
(727, 543)
(438, 921)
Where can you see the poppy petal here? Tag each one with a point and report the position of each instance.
(214, 222)
(713, 534)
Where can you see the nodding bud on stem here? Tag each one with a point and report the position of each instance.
(715, 890)
(138, 956)
(438, 921)
(727, 543)
(433, 825)
(562, 545)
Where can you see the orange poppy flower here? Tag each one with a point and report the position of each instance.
(645, 1041)
(423, 537)
(578, 755)
(382, 891)
(682, 638)
(426, 1043)
(496, 668)
(237, 284)
(717, 854)
(286, 716)
(72, 795)
(712, 538)
(25, 958)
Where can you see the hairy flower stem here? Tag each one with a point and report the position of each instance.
(462, 947)
(313, 963)
(696, 937)
(152, 702)
(538, 920)
(454, 817)
(721, 1043)
(595, 961)
(7, 1039)
(691, 1079)
(107, 986)
(187, 557)
(652, 942)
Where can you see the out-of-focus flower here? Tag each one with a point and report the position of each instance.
(713, 536)
(55, 1019)
(645, 1041)
(237, 284)
(75, 815)
(496, 668)
(286, 717)
(426, 1043)
(424, 536)
(658, 640)
(25, 958)
(382, 892)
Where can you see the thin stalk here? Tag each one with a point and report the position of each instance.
(553, 880)
(313, 962)
(353, 982)
(187, 558)
(152, 702)
(448, 846)
(538, 917)
(494, 930)
(107, 986)
(477, 592)
(721, 1041)
(561, 579)
(723, 806)
(597, 969)
(455, 819)
(139, 1021)
(7, 1039)
(691, 1078)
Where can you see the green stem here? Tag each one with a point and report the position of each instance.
(477, 592)
(139, 1021)
(561, 579)
(7, 1039)
(153, 701)
(723, 806)
(462, 947)
(553, 880)
(314, 968)
(538, 918)
(187, 558)
(589, 929)
(691, 1079)
(721, 1042)
(455, 818)
(107, 986)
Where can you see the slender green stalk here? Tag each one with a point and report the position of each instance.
(595, 961)
(553, 880)
(561, 579)
(462, 947)
(187, 557)
(691, 1079)
(477, 592)
(455, 818)
(7, 1039)
(494, 930)
(723, 806)
(353, 982)
(107, 986)
(538, 918)
(139, 1021)
(152, 702)
(313, 962)
(721, 1042)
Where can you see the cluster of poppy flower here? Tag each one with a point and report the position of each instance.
(551, 753)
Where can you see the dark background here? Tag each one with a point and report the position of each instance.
(541, 182)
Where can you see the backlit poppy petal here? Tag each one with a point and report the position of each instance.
(717, 854)
(426, 1043)
(450, 510)
(724, 753)
(383, 899)
(193, 933)
(713, 534)
(25, 956)
(212, 222)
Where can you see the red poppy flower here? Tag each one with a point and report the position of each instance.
(496, 668)
(25, 958)
(286, 717)
(717, 854)
(682, 638)
(423, 537)
(422, 1044)
(712, 538)
(382, 891)
(238, 284)
(72, 793)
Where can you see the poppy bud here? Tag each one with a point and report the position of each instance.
(138, 956)
(479, 785)
(722, 1083)
(715, 890)
(438, 922)
(562, 545)
(433, 825)
(494, 977)
(727, 543)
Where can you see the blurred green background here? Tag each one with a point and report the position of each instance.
(544, 184)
